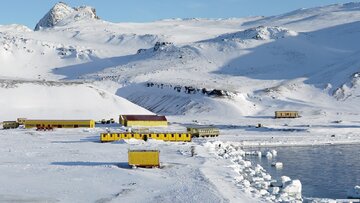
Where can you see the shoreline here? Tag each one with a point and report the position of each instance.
(234, 153)
(301, 145)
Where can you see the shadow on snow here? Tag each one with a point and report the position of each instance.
(124, 165)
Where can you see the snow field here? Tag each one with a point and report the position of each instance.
(70, 165)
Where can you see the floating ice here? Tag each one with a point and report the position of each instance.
(277, 164)
(354, 192)
(269, 155)
(274, 152)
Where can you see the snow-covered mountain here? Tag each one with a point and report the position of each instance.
(61, 14)
(307, 60)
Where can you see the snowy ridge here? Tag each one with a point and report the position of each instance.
(258, 33)
(313, 18)
(14, 27)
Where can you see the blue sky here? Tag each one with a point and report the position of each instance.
(28, 12)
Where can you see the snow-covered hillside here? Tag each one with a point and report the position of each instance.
(60, 100)
(246, 66)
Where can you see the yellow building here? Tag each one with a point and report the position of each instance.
(143, 120)
(172, 137)
(203, 131)
(286, 114)
(59, 123)
(144, 158)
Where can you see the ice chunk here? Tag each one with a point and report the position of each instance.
(274, 152)
(355, 192)
(285, 179)
(247, 163)
(246, 183)
(264, 192)
(267, 177)
(277, 164)
(258, 168)
(293, 188)
(239, 178)
(269, 155)
(274, 190)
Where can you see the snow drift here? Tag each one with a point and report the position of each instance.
(61, 100)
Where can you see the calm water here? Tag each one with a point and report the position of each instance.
(324, 171)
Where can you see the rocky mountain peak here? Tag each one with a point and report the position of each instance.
(61, 12)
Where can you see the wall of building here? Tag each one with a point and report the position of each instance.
(60, 123)
(146, 123)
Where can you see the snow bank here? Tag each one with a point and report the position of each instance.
(255, 179)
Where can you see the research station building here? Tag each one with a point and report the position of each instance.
(59, 123)
(286, 114)
(143, 120)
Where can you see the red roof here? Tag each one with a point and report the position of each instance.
(144, 118)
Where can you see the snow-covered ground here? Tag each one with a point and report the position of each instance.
(72, 165)
(232, 73)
